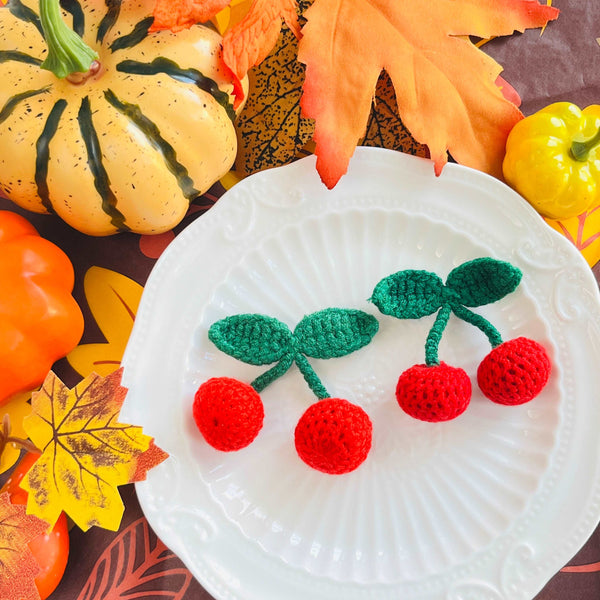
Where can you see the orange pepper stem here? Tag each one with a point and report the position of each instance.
(68, 54)
(580, 150)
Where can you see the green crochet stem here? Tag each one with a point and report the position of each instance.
(268, 377)
(441, 321)
(311, 378)
(493, 335)
(314, 383)
(434, 337)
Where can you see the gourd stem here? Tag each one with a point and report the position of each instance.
(314, 383)
(493, 335)
(67, 52)
(580, 150)
(262, 381)
(434, 337)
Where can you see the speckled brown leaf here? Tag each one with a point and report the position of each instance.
(18, 567)
(86, 452)
(270, 129)
(385, 128)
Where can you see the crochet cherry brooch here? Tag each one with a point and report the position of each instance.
(333, 435)
(514, 372)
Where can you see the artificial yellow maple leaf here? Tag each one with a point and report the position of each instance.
(86, 452)
(445, 86)
(113, 300)
(18, 567)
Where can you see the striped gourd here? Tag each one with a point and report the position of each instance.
(131, 146)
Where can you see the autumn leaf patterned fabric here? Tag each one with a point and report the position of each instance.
(583, 231)
(136, 559)
(113, 300)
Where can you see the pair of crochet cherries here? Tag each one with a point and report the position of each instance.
(333, 435)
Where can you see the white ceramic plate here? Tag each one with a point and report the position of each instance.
(486, 507)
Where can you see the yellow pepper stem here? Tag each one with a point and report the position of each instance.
(67, 52)
(581, 150)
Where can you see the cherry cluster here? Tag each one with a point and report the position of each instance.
(514, 372)
(334, 435)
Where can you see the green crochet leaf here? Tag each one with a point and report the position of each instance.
(409, 294)
(482, 281)
(252, 338)
(334, 332)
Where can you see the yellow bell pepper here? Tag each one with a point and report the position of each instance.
(553, 159)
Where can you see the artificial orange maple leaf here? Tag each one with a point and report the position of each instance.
(18, 567)
(445, 86)
(249, 42)
(86, 451)
(182, 14)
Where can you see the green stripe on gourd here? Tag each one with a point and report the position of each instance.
(24, 13)
(134, 37)
(94, 153)
(113, 8)
(74, 8)
(19, 10)
(17, 56)
(43, 152)
(173, 70)
(153, 135)
(15, 100)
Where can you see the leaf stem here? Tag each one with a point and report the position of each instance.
(434, 337)
(478, 321)
(314, 383)
(262, 381)
(6, 438)
(68, 54)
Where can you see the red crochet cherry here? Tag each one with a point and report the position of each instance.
(333, 436)
(229, 413)
(514, 372)
(434, 392)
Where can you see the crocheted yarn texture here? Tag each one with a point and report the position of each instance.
(229, 413)
(434, 393)
(514, 372)
(333, 436)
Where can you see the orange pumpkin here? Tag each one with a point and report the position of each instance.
(40, 321)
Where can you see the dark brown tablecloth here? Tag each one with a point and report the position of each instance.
(562, 64)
